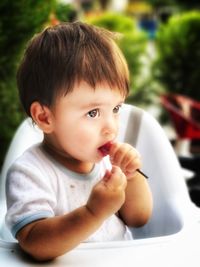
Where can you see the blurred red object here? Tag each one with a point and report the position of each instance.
(184, 113)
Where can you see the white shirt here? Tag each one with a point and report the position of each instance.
(39, 187)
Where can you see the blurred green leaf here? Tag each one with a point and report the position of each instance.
(19, 20)
(177, 65)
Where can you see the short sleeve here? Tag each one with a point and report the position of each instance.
(30, 197)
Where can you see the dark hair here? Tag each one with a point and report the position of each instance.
(61, 56)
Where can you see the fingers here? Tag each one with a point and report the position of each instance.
(115, 179)
(126, 157)
(108, 195)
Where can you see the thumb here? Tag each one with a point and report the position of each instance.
(107, 176)
(115, 178)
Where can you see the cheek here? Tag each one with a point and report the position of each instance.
(75, 134)
(84, 135)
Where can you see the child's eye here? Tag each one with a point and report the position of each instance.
(117, 109)
(93, 113)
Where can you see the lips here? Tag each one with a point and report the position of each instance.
(105, 149)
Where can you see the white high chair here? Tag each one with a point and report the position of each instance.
(170, 237)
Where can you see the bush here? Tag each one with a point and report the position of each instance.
(177, 65)
(65, 12)
(132, 43)
(19, 21)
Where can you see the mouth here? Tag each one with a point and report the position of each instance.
(105, 149)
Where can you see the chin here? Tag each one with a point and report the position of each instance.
(97, 159)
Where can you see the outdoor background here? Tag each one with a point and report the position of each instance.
(160, 40)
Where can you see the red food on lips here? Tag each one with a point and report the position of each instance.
(105, 149)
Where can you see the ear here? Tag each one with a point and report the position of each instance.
(42, 116)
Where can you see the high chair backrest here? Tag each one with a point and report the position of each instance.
(159, 163)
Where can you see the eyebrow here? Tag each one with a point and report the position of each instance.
(98, 104)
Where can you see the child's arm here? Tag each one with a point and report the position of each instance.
(48, 238)
(137, 207)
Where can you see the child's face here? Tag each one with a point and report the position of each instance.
(84, 120)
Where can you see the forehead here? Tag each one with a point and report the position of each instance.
(83, 95)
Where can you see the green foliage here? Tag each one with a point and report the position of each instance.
(19, 20)
(115, 22)
(65, 12)
(185, 4)
(132, 42)
(160, 3)
(177, 66)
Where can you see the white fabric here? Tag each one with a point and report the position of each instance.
(39, 187)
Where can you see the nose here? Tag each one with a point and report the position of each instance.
(110, 127)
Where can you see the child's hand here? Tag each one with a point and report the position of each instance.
(126, 157)
(108, 195)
